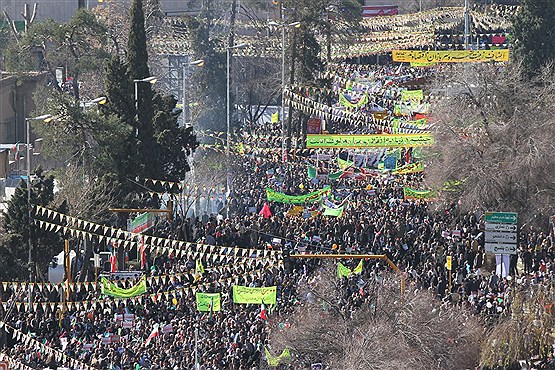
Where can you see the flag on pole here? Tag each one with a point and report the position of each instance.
(199, 270)
(275, 117)
(155, 333)
(263, 314)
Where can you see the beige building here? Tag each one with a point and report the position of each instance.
(16, 103)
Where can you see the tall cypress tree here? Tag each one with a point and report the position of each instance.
(137, 62)
(534, 34)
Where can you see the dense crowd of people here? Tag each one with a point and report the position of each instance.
(166, 330)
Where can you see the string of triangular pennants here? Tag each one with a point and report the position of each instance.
(312, 107)
(122, 237)
(14, 363)
(78, 287)
(101, 303)
(58, 355)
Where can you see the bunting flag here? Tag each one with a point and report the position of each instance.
(246, 295)
(417, 194)
(275, 361)
(208, 302)
(315, 196)
(112, 290)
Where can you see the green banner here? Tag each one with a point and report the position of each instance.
(207, 302)
(315, 196)
(244, 294)
(412, 95)
(419, 123)
(418, 194)
(275, 361)
(112, 290)
(369, 141)
(409, 168)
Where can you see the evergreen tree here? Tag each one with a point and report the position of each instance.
(137, 63)
(534, 34)
(17, 226)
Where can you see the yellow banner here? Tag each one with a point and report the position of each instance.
(369, 141)
(451, 56)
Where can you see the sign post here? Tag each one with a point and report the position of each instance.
(501, 236)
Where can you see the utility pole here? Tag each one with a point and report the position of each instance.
(466, 23)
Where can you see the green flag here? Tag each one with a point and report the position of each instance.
(335, 212)
(343, 163)
(343, 270)
(358, 269)
(312, 172)
(275, 361)
(208, 302)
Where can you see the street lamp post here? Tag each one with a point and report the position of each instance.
(228, 119)
(44, 118)
(282, 26)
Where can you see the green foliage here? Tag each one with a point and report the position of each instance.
(78, 45)
(534, 34)
(16, 227)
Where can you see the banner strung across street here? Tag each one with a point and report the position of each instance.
(111, 289)
(418, 194)
(207, 302)
(315, 196)
(244, 294)
(369, 141)
(450, 56)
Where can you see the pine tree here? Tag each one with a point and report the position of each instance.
(534, 34)
(16, 227)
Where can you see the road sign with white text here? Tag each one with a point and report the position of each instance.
(501, 232)
(500, 237)
(499, 248)
(501, 217)
(501, 227)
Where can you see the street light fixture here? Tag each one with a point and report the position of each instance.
(283, 26)
(152, 80)
(45, 118)
(228, 101)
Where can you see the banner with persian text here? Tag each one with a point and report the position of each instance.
(244, 294)
(450, 56)
(369, 141)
